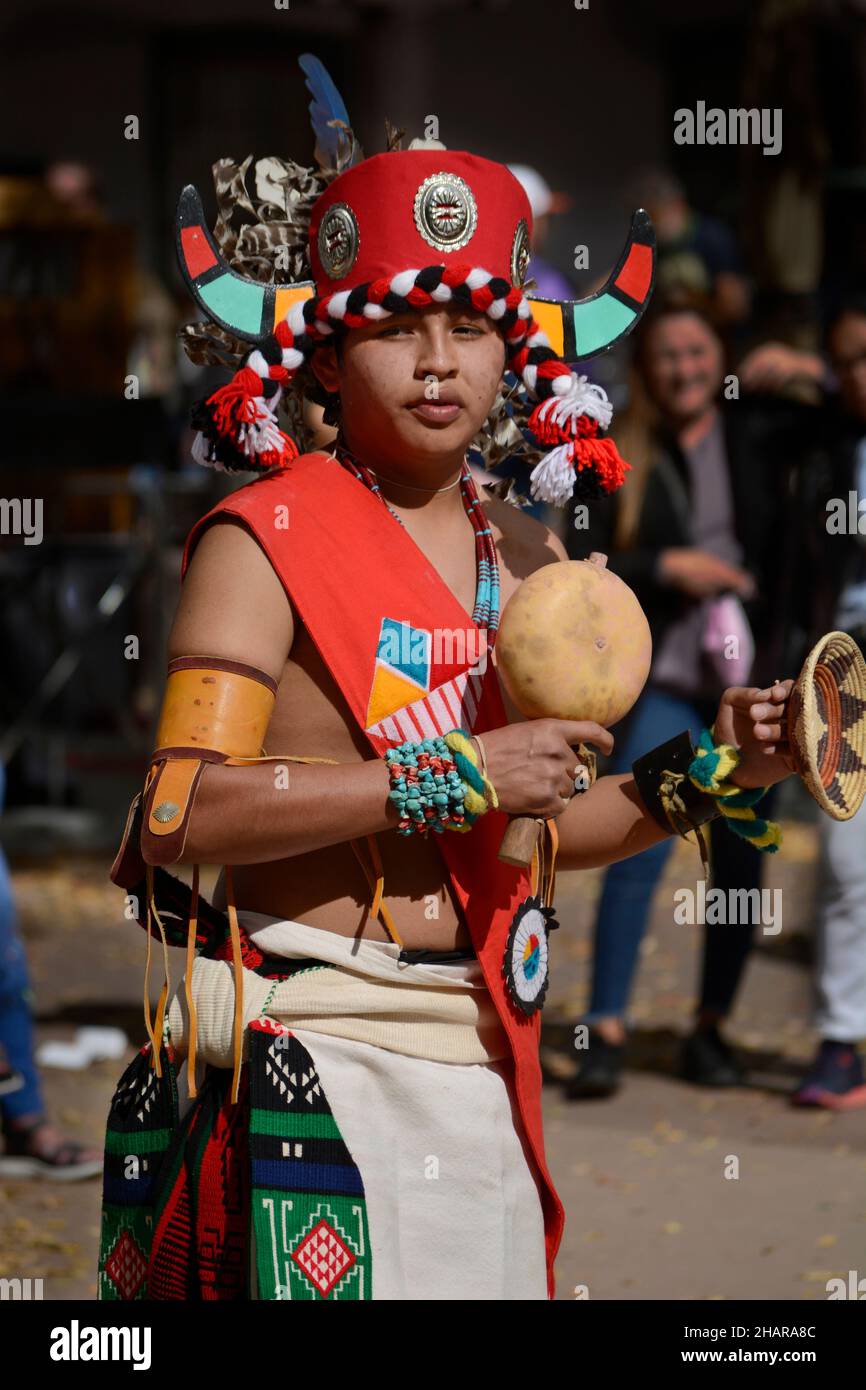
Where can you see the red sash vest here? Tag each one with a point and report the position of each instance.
(377, 610)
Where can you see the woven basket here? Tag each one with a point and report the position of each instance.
(827, 725)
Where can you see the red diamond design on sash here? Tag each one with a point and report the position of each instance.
(324, 1257)
(126, 1267)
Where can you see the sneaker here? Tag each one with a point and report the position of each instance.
(10, 1081)
(599, 1071)
(707, 1060)
(64, 1160)
(836, 1080)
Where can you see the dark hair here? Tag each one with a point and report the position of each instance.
(854, 303)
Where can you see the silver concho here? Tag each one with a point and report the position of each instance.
(520, 253)
(338, 240)
(446, 214)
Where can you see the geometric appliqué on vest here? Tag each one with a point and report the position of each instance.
(402, 668)
(414, 693)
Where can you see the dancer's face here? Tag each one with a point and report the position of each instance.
(684, 366)
(415, 387)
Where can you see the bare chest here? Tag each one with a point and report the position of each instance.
(312, 717)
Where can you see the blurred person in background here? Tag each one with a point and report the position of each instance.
(33, 1147)
(697, 254)
(9, 1080)
(545, 204)
(701, 538)
(834, 597)
(78, 188)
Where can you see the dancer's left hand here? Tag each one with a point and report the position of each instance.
(751, 719)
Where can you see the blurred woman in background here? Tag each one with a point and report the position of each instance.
(699, 533)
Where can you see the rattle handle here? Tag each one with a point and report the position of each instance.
(518, 842)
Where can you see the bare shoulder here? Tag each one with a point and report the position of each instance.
(522, 543)
(232, 603)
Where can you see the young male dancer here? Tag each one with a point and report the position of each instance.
(344, 1099)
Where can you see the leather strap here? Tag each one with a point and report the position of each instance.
(169, 803)
(128, 867)
(662, 779)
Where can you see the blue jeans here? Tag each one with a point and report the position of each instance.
(16, 1020)
(624, 907)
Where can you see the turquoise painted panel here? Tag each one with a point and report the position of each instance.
(236, 301)
(596, 324)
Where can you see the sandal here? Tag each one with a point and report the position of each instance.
(65, 1161)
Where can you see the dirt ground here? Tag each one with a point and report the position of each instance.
(650, 1210)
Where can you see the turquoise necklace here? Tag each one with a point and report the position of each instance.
(486, 611)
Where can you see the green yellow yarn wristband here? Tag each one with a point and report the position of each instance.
(709, 771)
(480, 792)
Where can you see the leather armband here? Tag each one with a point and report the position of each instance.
(662, 779)
(129, 868)
(213, 712)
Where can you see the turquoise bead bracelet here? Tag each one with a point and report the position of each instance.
(426, 787)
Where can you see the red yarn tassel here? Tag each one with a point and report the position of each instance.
(603, 457)
(576, 440)
(240, 427)
(234, 404)
(281, 458)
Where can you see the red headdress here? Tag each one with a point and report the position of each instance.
(401, 231)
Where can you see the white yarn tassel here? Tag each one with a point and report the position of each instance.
(552, 479)
(262, 433)
(200, 451)
(575, 396)
(203, 452)
(256, 436)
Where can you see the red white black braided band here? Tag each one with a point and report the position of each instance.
(239, 422)
(530, 355)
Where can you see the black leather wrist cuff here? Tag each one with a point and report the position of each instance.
(690, 807)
